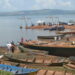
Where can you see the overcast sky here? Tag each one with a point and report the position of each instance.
(17, 5)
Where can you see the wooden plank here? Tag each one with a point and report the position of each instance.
(41, 72)
(50, 72)
(59, 73)
(39, 60)
(68, 74)
(47, 61)
(30, 59)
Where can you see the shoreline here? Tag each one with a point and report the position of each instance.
(49, 26)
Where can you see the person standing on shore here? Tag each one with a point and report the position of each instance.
(22, 40)
(12, 47)
(9, 47)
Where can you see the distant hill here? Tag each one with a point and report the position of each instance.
(39, 12)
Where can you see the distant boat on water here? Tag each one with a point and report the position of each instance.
(59, 28)
(21, 27)
(66, 32)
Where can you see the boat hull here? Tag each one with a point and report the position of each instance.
(50, 37)
(59, 51)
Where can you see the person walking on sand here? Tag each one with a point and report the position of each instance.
(12, 47)
(9, 47)
(22, 40)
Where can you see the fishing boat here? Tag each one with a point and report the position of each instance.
(59, 28)
(51, 37)
(21, 27)
(61, 48)
(66, 32)
(18, 70)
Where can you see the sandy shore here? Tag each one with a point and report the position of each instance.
(3, 50)
(38, 27)
(47, 26)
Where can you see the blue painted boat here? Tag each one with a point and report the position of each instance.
(17, 70)
(63, 23)
(59, 28)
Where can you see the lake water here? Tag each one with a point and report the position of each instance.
(10, 27)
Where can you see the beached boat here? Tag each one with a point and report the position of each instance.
(43, 60)
(50, 37)
(66, 32)
(60, 48)
(18, 70)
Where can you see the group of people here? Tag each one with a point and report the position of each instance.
(11, 47)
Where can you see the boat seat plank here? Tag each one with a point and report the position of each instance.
(50, 72)
(25, 66)
(47, 61)
(30, 59)
(55, 60)
(59, 73)
(68, 74)
(25, 59)
(39, 60)
(41, 72)
(71, 66)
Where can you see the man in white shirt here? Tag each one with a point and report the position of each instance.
(9, 45)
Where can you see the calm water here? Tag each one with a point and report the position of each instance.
(9, 27)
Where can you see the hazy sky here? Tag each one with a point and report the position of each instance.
(17, 5)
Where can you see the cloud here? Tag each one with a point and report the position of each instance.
(6, 5)
(52, 4)
(17, 5)
(45, 3)
(68, 3)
